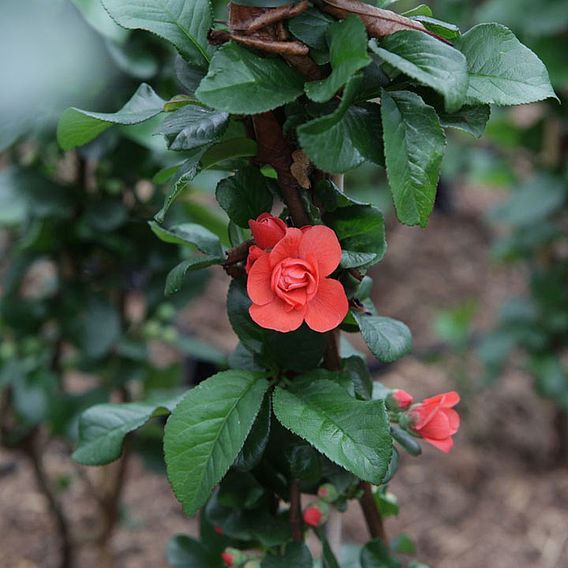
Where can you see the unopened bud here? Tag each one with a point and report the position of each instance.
(328, 493)
(398, 400)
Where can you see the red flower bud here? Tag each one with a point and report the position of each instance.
(227, 559)
(328, 493)
(312, 516)
(218, 530)
(267, 230)
(399, 399)
(315, 514)
(435, 421)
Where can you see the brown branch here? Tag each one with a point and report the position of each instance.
(371, 513)
(331, 358)
(295, 515)
(273, 149)
(30, 448)
(238, 253)
(294, 48)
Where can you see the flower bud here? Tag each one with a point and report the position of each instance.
(434, 420)
(233, 557)
(398, 400)
(315, 514)
(328, 493)
(267, 230)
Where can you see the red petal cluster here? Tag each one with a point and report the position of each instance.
(402, 398)
(435, 420)
(288, 284)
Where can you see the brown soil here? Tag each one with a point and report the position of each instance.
(495, 502)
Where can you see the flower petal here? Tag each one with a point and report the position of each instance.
(287, 247)
(442, 445)
(277, 315)
(327, 309)
(258, 283)
(321, 242)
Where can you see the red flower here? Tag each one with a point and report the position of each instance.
(227, 559)
(289, 286)
(435, 420)
(254, 254)
(267, 230)
(401, 399)
(313, 516)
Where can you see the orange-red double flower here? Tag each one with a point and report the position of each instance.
(288, 284)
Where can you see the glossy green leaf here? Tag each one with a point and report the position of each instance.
(414, 147)
(428, 60)
(470, 119)
(387, 339)
(344, 139)
(184, 551)
(245, 195)
(77, 127)
(230, 149)
(102, 428)
(501, 69)
(438, 27)
(408, 442)
(257, 440)
(348, 54)
(296, 555)
(193, 126)
(241, 82)
(206, 431)
(352, 433)
(238, 304)
(311, 28)
(175, 278)
(189, 234)
(184, 24)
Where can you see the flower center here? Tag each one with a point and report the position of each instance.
(295, 281)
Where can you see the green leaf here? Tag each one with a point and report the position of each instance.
(307, 346)
(229, 150)
(311, 28)
(440, 28)
(193, 126)
(257, 440)
(206, 431)
(470, 119)
(183, 551)
(184, 24)
(501, 69)
(188, 75)
(358, 371)
(388, 339)
(375, 554)
(428, 60)
(189, 234)
(184, 175)
(245, 195)
(265, 3)
(414, 147)
(241, 82)
(102, 428)
(359, 226)
(344, 139)
(238, 304)
(296, 555)
(77, 127)
(352, 433)
(348, 54)
(176, 276)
